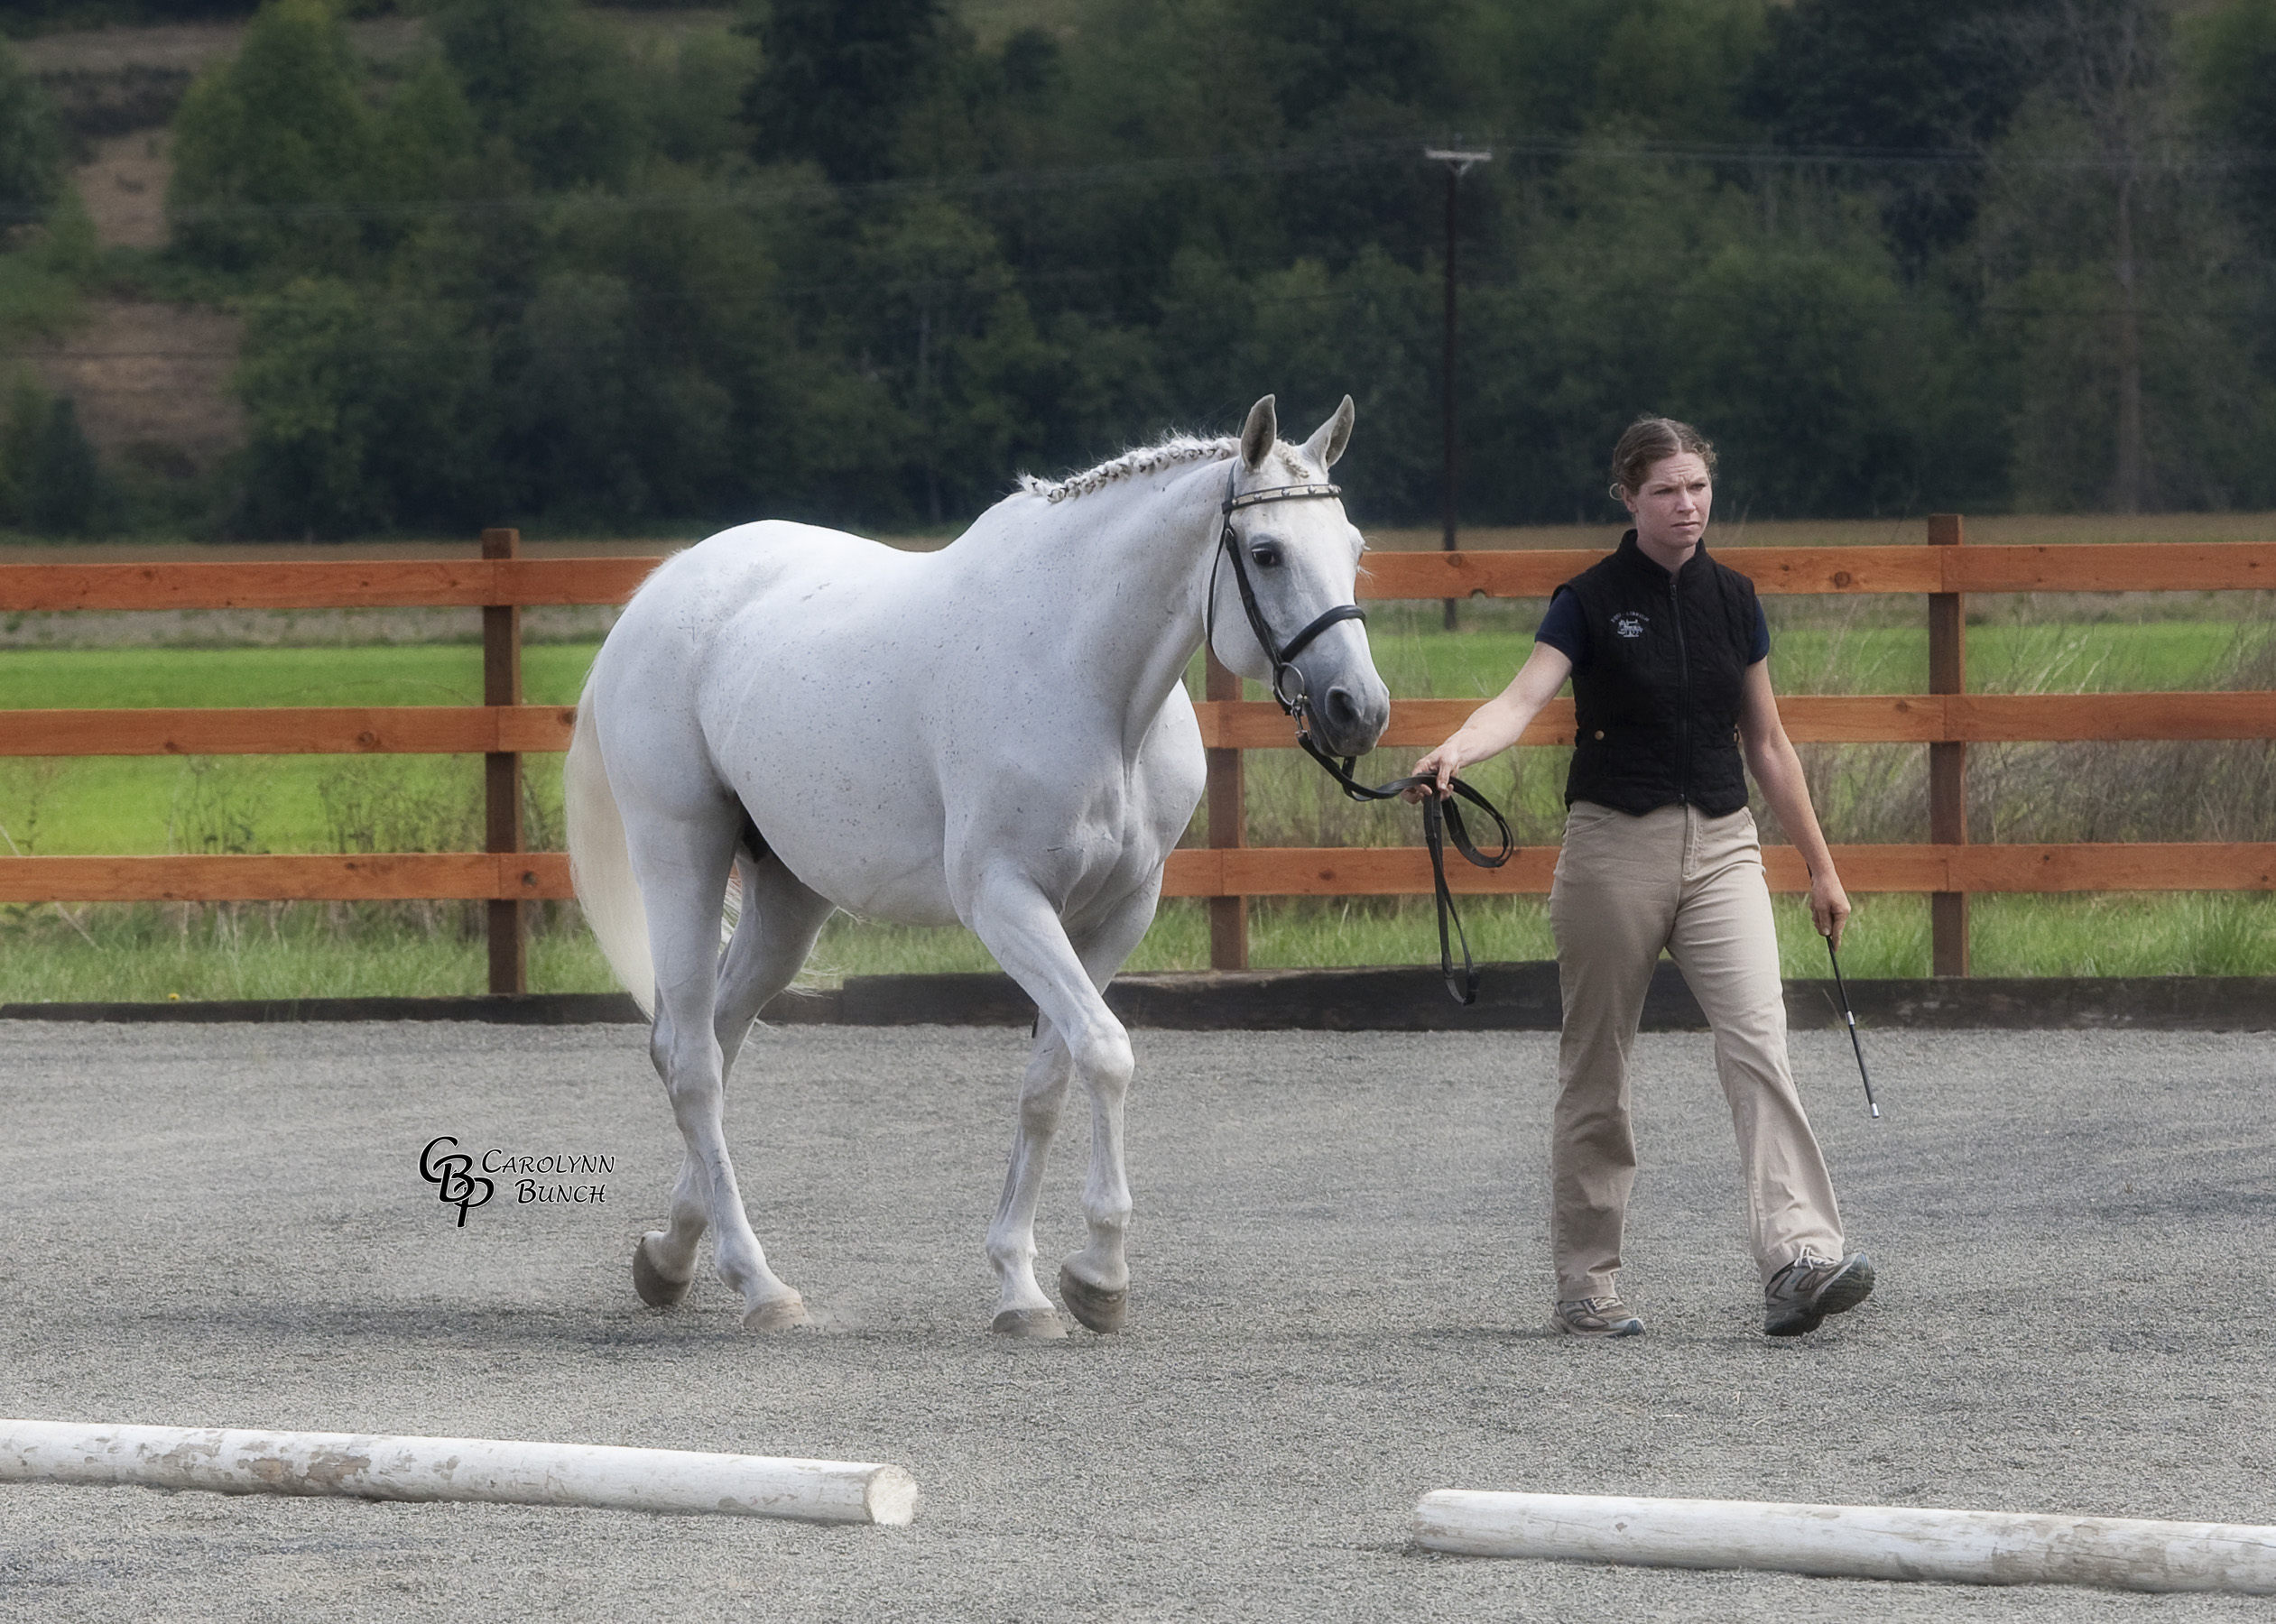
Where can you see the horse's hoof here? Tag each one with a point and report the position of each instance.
(1037, 1322)
(779, 1314)
(1094, 1306)
(654, 1289)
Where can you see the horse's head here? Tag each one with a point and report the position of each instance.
(1285, 536)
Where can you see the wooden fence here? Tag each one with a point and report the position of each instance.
(1948, 719)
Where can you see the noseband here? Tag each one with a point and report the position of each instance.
(1437, 810)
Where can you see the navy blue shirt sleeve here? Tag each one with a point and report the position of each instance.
(1758, 647)
(1564, 629)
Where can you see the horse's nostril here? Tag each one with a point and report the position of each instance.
(1343, 710)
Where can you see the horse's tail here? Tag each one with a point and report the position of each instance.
(601, 862)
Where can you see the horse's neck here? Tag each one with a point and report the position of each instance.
(1132, 567)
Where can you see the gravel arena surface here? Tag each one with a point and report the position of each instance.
(1339, 1303)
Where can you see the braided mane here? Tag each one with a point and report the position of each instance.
(1144, 459)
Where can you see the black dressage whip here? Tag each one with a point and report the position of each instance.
(1851, 1016)
(1441, 819)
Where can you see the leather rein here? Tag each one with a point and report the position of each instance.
(1441, 818)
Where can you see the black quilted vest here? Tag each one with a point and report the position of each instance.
(1659, 705)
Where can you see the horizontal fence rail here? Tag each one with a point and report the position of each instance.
(535, 582)
(317, 877)
(384, 584)
(1405, 870)
(1194, 871)
(1846, 719)
(1225, 725)
(286, 730)
(2107, 567)
(1226, 871)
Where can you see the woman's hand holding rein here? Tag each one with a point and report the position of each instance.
(1499, 723)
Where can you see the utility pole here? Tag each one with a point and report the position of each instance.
(1458, 162)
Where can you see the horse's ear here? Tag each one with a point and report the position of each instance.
(1258, 433)
(1329, 441)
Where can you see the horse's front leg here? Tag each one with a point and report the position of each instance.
(1078, 1037)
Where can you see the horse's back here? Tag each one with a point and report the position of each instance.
(871, 708)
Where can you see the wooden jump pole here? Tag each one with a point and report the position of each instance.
(500, 1472)
(1854, 1542)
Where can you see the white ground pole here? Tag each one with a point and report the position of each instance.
(1855, 1542)
(369, 1466)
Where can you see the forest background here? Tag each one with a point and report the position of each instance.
(863, 261)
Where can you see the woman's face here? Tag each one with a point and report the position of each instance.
(1670, 507)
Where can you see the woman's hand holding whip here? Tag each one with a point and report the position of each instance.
(1828, 904)
(1770, 756)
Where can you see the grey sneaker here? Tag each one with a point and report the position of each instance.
(1597, 1317)
(1803, 1294)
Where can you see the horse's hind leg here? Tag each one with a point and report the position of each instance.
(682, 863)
(779, 920)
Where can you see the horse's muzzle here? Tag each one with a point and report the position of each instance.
(1350, 716)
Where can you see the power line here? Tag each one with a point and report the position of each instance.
(1373, 154)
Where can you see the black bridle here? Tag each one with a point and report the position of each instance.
(1441, 819)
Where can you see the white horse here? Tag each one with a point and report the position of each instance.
(997, 733)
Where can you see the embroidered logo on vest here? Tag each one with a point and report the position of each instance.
(1628, 623)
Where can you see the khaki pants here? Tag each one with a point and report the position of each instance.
(1626, 888)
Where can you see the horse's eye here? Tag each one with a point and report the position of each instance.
(1267, 556)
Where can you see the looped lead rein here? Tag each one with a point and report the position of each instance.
(1440, 816)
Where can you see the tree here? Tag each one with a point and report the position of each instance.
(1915, 87)
(544, 78)
(272, 149)
(838, 77)
(2234, 53)
(1670, 69)
(365, 414)
(2109, 62)
(64, 493)
(2118, 277)
(30, 152)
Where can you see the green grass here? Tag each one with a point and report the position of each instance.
(150, 953)
(147, 953)
(366, 674)
(1838, 653)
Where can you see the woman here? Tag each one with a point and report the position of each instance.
(1668, 656)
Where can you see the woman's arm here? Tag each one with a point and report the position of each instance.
(1497, 725)
(1771, 758)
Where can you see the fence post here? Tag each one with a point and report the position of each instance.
(1228, 826)
(1948, 763)
(502, 773)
